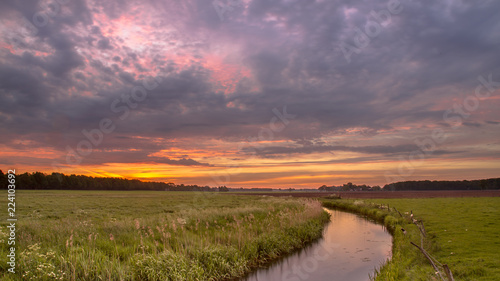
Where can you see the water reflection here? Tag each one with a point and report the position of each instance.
(350, 250)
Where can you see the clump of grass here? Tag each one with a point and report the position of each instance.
(39, 265)
(224, 239)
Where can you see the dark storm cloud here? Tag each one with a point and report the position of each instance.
(22, 89)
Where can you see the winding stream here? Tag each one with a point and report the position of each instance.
(350, 250)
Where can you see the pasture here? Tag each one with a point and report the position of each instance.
(133, 235)
(463, 233)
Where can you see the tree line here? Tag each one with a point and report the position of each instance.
(38, 180)
(349, 187)
(484, 184)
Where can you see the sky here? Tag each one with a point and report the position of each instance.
(251, 93)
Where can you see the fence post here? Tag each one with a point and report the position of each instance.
(398, 212)
(430, 260)
(448, 272)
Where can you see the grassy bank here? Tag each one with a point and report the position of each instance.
(75, 235)
(460, 232)
(465, 232)
(406, 263)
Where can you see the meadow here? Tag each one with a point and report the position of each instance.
(133, 235)
(463, 233)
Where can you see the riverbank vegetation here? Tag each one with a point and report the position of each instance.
(460, 232)
(105, 235)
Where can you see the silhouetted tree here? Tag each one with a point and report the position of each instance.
(223, 189)
(3, 180)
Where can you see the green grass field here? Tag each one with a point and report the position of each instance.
(113, 235)
(466, 232)
(463, 233)
(100, 235)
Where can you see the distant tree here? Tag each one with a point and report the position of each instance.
(55, 180)
(347, 187)
(25, 181)
(40, 180)
(3, 180)
(483, 184)
(223, 189)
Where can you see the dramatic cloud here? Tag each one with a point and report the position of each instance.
(379, 149)
(186, 89)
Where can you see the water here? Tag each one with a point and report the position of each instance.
(350, 250)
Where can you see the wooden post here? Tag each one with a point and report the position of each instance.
(448, 272)
(430, 260)
(422, 223)
(398, 212)
(420, 228)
